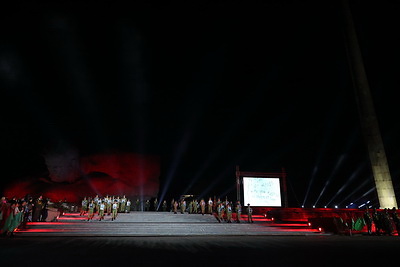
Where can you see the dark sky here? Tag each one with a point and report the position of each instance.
(207, 85)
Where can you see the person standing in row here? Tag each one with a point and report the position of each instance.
(155, 204)
(210, 206)
(195, 206)
(84, 207)
(238, 210)
(101, 211)
(122, 204)
(114, 210)
(368, 221)
(128, 206)
(249, 214)
(91, 207)
(219, 212)
(183, 206)
(147, 205)
(396, 220)
(164, 205)
(37, 209)
(202, 206)
(108, 205)
(228, 213)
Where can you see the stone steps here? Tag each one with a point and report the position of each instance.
(158, 224)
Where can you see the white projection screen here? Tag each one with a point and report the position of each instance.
(262, 191)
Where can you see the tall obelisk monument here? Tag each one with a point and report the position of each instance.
(369, 122)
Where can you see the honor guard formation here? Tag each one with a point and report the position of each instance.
(224, 211)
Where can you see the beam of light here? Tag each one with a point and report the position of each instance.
(358, 188)
(329, 180)
(310, 184)
(206, 164)
(349, 181)
(332, 116)
(246, 108)
(350, 142)
(366, 193)
(172, 170)
(230, 189)
(222, 175)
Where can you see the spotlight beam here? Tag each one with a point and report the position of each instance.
(365, 182)
(349, 181)
(336, 168)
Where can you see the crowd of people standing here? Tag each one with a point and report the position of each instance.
(16, 213)
(383, 222)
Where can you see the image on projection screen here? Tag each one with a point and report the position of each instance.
(260, 191)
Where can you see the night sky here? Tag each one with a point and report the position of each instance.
(206, 85)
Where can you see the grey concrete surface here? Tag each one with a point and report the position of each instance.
(217, 249)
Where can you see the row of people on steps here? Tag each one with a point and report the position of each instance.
(112, 205)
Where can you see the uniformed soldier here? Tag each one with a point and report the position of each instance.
(229, 213)
(91, 208)
(155, 204)
(101, 211)
(191, 203)
(114, 210)
(96, 202)
(210, 206)
(147, 205)
(183, 206)
(203, 206)
(98, 205)
(172, 204)
(122, 204)
(219, 212)
(83, 207)
(223, 208)
(128, 206)
(118, 203)
(238, 210)
(249, 214)
(137, 205)
(164, 205)
(109, 205)
(195, 206)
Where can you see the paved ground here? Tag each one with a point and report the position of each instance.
(290, 248)
(160, 224)
(324, 250)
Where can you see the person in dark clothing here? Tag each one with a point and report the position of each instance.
(45, 210)
(37, 209)
(368, 221)
(396, 220)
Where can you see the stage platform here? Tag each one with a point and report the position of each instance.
(162, 224)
